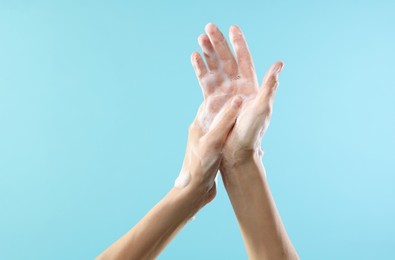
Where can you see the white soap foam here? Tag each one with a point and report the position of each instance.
(182, 179)
(216, 178)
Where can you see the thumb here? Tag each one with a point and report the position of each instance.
(223, 123)
(267, 91)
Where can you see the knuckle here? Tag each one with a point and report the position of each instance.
(205, 143)
(264, 107)
(199, 73)
(191, 128)
(275, 85)
(217, 145)
(237, 38)
(211, 143)
(273, 80)
(205, 149)
(219, 39)
(230, 115)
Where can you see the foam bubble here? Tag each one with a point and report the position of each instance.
(182, 179)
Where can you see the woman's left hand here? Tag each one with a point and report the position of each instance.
(204, 149)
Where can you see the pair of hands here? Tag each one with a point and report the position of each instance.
(226, 134)
(234, 115)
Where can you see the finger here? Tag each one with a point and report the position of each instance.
(200, 70)
(243, 55)
(268, 89)
(223, 123)
(198, 65)
(221, 47)
(208, 52)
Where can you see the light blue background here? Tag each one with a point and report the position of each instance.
(96, 97)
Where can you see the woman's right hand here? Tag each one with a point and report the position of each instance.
(224, 76)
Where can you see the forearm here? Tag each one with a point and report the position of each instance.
(194, 188)
(260, 223)
(149, 237)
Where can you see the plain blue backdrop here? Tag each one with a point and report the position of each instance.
(96, 97)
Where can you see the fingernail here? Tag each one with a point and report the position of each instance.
(237, 101)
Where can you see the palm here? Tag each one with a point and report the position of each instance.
(220, 88)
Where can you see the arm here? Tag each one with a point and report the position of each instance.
(150, 236)
(241, 168)
(194, 188)
(263, 232)
(245, 180)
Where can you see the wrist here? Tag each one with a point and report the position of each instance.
(243, 175)
(241, 160)
(193, 196)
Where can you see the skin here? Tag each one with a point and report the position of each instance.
(242, 170)
(226, 134)
(202, 159)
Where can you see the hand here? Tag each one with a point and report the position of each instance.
(193, 189)
(226, 76)
(204, 149)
